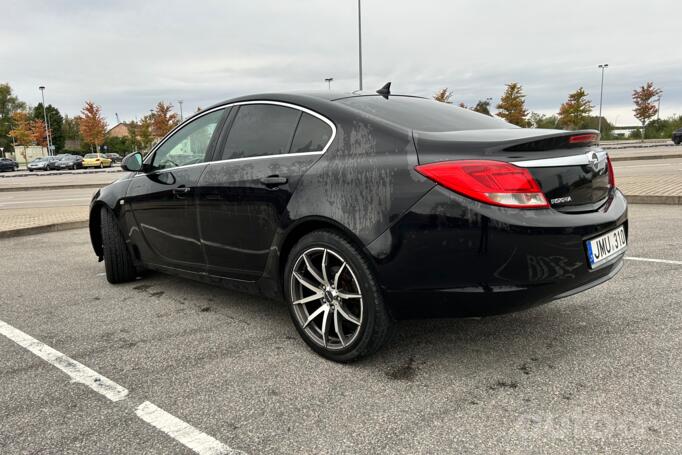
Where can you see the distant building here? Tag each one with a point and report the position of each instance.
(25, 154)
(119, 130)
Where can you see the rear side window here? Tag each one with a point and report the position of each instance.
(311, 135)
(260, 130)
(422, 114)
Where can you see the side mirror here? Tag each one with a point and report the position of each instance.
(132, 162)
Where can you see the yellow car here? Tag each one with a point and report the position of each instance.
(96, 160)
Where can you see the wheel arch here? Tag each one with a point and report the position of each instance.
(95, 227)
(305, 226)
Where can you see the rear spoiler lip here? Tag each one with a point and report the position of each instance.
(503, 136)
(491, 144)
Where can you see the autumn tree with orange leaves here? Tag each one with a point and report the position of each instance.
(23, 131)
(645, 107)
(92, 125)
(39, 132)
(163, 119)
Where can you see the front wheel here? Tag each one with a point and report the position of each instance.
(334, 299)
(118, 263)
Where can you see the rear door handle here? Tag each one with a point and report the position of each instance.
(273, 181)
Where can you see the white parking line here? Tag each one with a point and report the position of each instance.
(182, 432)
(78, 372)
(177, 429)
(663, 261)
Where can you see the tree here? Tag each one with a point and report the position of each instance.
(542, 121)
(71, 128)
(92, 125)
(512, 105)
(133, 133)
(39, 131)
(9, 104)
(483, 107)
(144, 132)
(443, 95)
(55, 122)
(645, 108)
(574, 112)
(22, 130)
(120, 145)
(163, 119)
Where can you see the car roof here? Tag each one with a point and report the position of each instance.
(300, 97)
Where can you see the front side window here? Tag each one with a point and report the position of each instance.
(261, 130)
(311, 135)
(189, 145)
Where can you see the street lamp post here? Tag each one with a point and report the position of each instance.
(359, 45)
(658, 109)
(601, 92)
(47, 129)
(329, 80)
(180, 103)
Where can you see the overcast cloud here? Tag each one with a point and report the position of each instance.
(127, 55)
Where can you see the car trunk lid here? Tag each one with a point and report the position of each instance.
(572, 171)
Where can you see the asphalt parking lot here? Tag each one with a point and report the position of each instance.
(596, 372)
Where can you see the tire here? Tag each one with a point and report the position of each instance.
(101, 165)
(364, 322)
(118, 262)
(74, 167)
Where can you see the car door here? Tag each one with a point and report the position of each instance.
(244, 194)
(163, 198)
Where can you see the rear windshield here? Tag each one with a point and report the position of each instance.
(423, 114)
(91, 155)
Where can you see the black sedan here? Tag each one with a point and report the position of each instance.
(7, 164)
(357, 209)
(677, 136)
(69, 162)
(114, 157)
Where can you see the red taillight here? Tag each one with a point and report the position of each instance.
(582, 138)
(612, 176)
(492, 182)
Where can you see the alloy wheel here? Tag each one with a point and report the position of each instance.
(326, 298)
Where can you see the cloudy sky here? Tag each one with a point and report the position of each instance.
(126, 55)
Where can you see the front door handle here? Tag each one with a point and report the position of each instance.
(181, 191)
(273, 181)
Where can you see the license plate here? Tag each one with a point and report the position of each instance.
(604, 247)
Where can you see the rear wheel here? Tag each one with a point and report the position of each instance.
(118, 262)
(334, 299)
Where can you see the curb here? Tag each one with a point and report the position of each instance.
(9, 175)
(653, 199)
(645, 157)
(53, 187)
(43, 229)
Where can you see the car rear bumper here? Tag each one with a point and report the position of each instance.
(449, 255)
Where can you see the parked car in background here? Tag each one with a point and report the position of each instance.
(42, 163)
(7, 164)
(677, 137)
(358, 208)
(96, 160)
(52, 164)
(115, 157)
(70, 162)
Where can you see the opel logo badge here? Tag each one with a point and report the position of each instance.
(593, 161)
